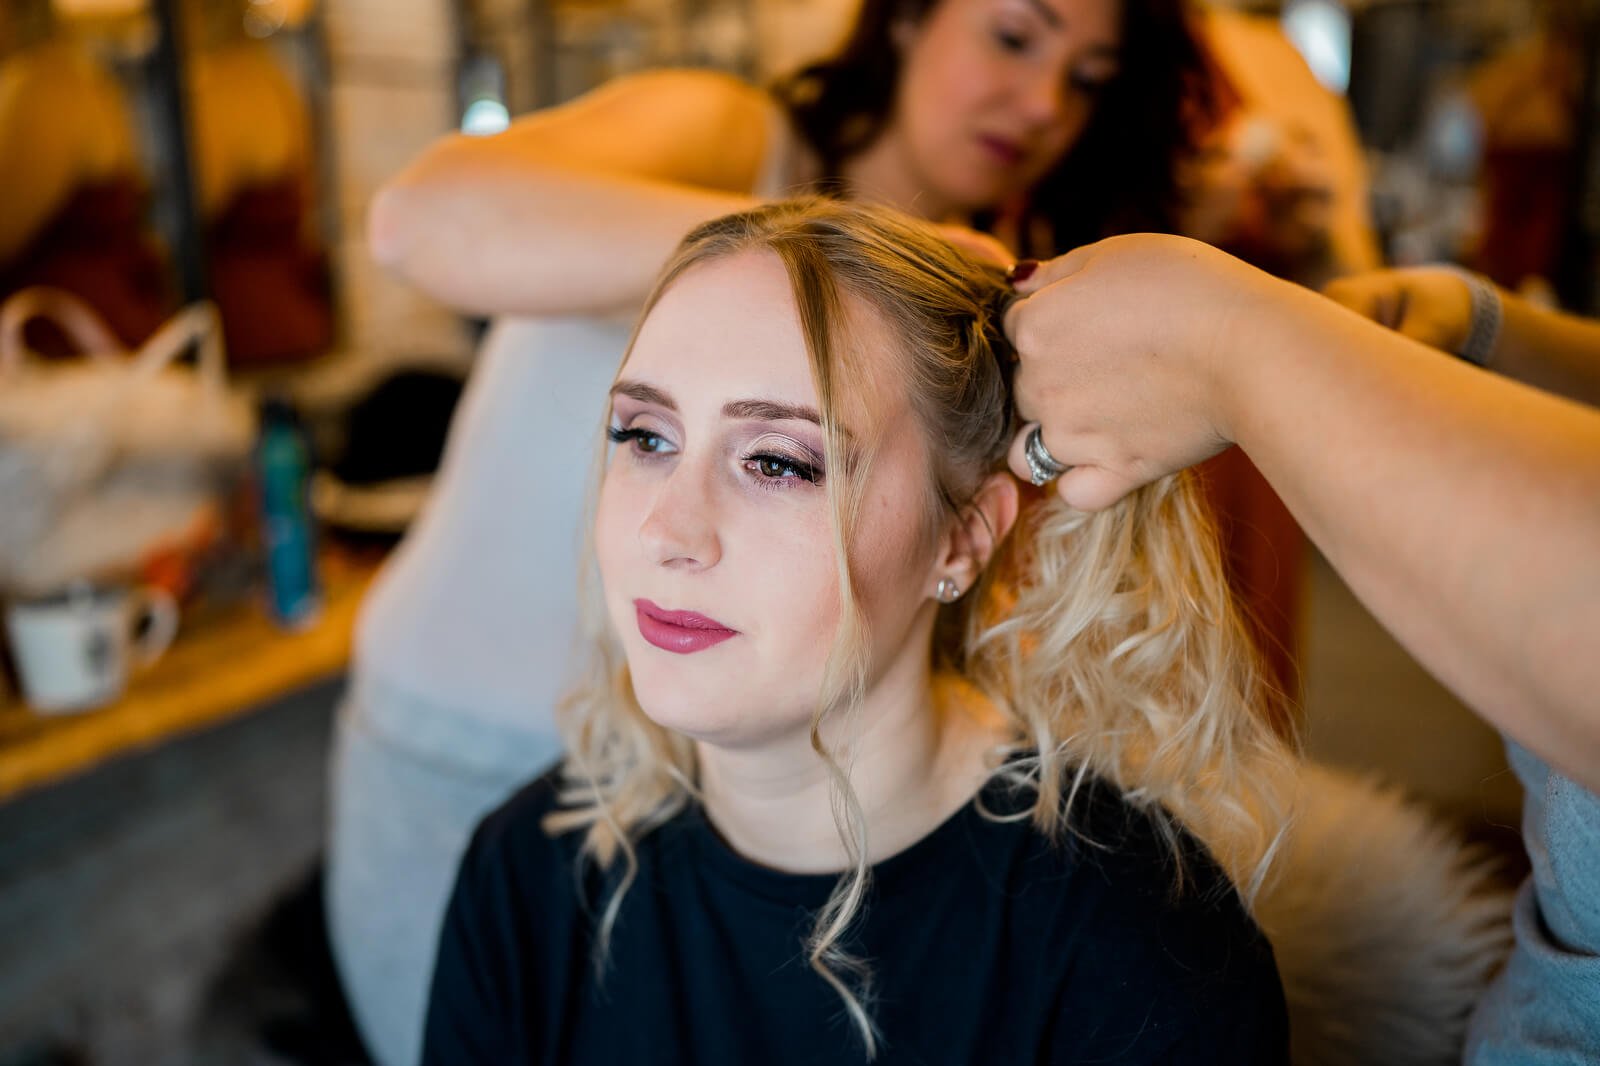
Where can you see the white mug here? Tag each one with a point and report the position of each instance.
(74, 650)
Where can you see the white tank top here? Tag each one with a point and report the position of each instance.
(475, 614)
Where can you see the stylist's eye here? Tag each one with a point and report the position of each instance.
(1011, 40)
(1090, 83)
(644, 441)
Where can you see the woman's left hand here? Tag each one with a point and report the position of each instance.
(1428, 304)
(1127, 353)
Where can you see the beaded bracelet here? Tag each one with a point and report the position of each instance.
(1487, 314)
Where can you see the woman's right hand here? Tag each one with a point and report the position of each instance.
(1428, 304)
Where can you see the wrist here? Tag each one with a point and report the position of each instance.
(1480, 333)
(1260, 321)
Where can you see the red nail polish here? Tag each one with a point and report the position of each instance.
(1022, 270)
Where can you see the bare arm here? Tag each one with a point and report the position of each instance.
(1547, 349)
(1463, 509)
(574, 209)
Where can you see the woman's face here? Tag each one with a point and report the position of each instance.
(993, 92)
(713, 530)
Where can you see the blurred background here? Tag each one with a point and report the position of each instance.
(161, 821)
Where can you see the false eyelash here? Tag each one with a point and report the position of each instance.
(806, 471)
(618, 435)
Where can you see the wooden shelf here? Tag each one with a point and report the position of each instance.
(239, 661)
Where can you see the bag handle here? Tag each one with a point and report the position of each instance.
(81, 323)
(89, 332)
(197, 322)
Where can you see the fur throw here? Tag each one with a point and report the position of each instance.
(1386, 926)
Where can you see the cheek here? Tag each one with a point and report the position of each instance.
(1079, 110)
(891, 562)
(616, 523)
(785, 564)
(944, 79)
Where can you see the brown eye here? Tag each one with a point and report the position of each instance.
(642, 440)
(776, 468)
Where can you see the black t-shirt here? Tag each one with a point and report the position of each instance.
(988, 944)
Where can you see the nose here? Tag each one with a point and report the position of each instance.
(1043, 97)
(679, 529)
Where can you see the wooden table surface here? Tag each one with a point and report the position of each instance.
(237, 661)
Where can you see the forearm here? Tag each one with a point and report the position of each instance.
(492, 233)
(1549, 350)
(1463, 510)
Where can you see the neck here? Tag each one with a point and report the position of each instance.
(882, 173)
(918, 754)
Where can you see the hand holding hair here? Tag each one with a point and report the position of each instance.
(1119, 344)
(1458, 506)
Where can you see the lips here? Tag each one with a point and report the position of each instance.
(680, 632)
(1003, 149)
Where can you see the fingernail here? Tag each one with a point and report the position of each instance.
(1022, 270)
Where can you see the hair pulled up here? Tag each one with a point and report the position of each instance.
(1108, 642)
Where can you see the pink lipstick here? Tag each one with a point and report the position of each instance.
(682, 632)
(1003, 149)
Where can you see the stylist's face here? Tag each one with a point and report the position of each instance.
(713, 532)
(994, 92)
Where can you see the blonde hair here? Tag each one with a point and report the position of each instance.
(1108, 642)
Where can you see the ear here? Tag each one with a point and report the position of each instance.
(972, 536)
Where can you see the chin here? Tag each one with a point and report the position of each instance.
(980, 193)
(709, 713)
(675, 699)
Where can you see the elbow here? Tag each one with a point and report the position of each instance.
(389, 221)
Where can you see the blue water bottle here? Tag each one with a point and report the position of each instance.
(288, 536)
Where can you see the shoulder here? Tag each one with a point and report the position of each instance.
(512, 904)
(512, 837)
(515, 883)
(1111, 839)
(1143, 875)
(1159, 948)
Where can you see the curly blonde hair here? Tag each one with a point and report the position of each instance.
(1107, 642)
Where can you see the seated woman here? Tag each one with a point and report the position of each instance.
(881, 756)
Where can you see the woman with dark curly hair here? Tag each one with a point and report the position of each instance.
(1118, 173)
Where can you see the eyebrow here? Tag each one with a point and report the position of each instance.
(638, 390)
(1047, 13)
(769, 411)
(762, 410)
(1053, 18)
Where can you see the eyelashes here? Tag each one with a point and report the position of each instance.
(770, 469)
(644, 441)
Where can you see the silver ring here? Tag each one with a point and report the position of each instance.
(1042, 466)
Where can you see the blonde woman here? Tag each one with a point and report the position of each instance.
(881, 756)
